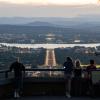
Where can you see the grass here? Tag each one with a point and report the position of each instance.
(84, 66)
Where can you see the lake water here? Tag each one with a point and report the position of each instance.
(49, 46)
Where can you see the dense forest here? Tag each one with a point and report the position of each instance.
(35, 58)
(61, 55)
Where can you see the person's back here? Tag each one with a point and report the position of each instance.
(77, 72)
(91, 67)
(68, 66)
(77, 69)
(18, 69)
(89, 70)
(77, 79)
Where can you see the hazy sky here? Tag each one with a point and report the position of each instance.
(48, 8)
(57, 2)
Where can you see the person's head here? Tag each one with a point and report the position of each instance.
(69, 59)
(92, 62)
(77, 64)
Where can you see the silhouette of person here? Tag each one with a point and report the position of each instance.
(77, 78)
(19, 71)
(68, 66)
(91, 67)
(78, 69)
(89, 70)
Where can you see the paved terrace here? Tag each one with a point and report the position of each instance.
(53, 98)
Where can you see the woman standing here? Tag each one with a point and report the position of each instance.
(77, 78)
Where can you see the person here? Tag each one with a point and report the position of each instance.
(77, 78)
(19, 71)
(89, 70)
(91, 67)
(68, 66)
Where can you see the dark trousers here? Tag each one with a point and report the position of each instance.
(18, 84)
(77, 88)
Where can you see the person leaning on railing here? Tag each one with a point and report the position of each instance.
(19, 72)
(68, 66)
(77, 78)
(89, 70)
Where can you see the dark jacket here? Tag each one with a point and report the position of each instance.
(77, 73)
(18, 69)
(89, 69)
(68, 65)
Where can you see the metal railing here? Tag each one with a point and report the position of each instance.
(6, 72)
(43, 89)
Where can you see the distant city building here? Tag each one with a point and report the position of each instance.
(32, 41)
(77, 41)
(59, 41)
(50, 35)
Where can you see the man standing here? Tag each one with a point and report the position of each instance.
(19, 71)
(68, 66)
(89, 70)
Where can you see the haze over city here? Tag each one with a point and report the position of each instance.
(48, 8)
(49, 46)
(50, 22)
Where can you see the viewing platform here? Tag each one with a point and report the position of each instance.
(53, 98)
(42, 86)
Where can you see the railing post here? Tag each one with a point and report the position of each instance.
(6, 74)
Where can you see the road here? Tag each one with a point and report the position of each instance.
(50, 58)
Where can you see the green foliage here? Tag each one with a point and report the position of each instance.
(61, 55)
(35, 58)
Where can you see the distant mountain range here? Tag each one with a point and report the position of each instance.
(38, 23)
(81, 21)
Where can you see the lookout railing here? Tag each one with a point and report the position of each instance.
(45, 81)
(6, 74)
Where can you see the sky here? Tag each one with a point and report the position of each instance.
(50, 2)
(48, 8)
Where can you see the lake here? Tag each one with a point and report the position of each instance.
(49, 46)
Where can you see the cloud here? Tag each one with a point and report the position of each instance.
(52, 2)
(10, 10)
